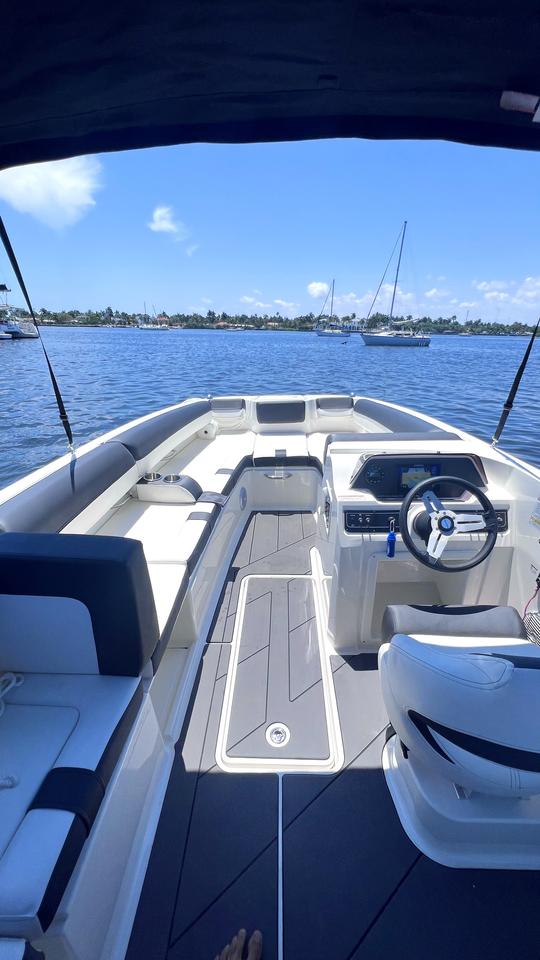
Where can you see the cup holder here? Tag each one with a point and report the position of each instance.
(172, 478)
(152, 477)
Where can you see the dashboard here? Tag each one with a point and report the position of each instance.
(378, 521)
(389, 477)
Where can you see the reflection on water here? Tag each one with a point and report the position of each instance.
(110, 376)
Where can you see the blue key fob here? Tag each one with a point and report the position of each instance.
(391, 541)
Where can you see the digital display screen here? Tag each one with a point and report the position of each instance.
(413, 473)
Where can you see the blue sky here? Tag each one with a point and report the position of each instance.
(259, 228)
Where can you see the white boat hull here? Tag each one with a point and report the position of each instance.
(333, 334)
(389, 340)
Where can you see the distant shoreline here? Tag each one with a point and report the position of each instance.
(261, 329)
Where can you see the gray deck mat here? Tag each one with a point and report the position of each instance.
(278, 678)
(272, 543)
(354, 888)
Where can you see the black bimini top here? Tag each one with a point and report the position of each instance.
(89, 77)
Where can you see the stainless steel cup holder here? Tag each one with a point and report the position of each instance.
(172, 478)
(152, 477)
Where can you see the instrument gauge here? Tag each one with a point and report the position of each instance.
(374, 475)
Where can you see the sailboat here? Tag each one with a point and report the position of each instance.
(389, 336)
(11, 327)
(329, 328)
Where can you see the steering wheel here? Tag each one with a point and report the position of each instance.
(436, 525)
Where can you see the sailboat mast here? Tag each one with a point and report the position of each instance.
(397, 270)
(332, 301)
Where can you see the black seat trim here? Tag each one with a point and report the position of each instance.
(171, 620)
(117, 740)
(76, 789)
(527, 760)
(61, 873)
(209, 496)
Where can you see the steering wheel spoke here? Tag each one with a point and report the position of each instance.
(436, 544)
(438, 524)
(470, 522)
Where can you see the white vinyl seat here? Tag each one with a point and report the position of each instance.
(216, 464)
(77, 628)
(464, 705)
(173, 537)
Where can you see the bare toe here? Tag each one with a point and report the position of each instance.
(238, 945)
(255, 946)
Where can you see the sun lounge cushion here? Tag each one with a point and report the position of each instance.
(60, 737)
(108, 575)
(55, 500)
(146, 436)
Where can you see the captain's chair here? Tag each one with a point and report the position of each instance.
(461, 686)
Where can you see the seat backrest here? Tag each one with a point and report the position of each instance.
(145, 437)
(55, 500)
(108, 576)
(281, 411)
(398, 421)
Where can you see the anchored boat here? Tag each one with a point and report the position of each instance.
(11, 326)
(269, 661)
(395, 338)
(392, 336)
(328, 327)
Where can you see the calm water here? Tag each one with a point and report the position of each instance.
(110, 376)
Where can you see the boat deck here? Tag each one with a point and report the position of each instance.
(302, 840)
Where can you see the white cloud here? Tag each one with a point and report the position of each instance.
(206, 300)
(163, 221)
(435, 294)
(468, 303)
(253, 302)
(401, 296)
(286, 304)
(487, 286)
(57, 193)
(191, 249)
(345, 298)
(317, 289)
(497, 295)
(258, 292)
(528, 292)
